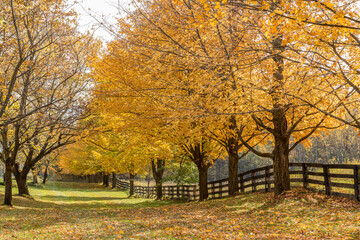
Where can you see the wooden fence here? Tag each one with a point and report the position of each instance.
(331, 179)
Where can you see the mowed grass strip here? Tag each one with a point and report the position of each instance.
(89, 211)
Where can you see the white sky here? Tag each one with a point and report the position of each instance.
(98, 8)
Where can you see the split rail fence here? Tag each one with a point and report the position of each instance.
(331, 179)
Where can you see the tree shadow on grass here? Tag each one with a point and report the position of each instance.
(56, 210)
(116, 205)
(28, 214)
(79, 198)
(70, 202)
(76, 187)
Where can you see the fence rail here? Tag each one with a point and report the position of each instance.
(331, 179)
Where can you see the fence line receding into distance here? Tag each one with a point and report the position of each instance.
(331, 179)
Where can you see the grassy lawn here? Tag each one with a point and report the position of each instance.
(89, 211)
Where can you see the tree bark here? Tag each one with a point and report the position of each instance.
(233, 172)
(232, 147)
(22, 184)
(45, 175)
(198, 156)
(281, 135)
(96, 178)
(132, 176)
(158, 167)
(21, 180)
(8, 184)
(113, 184)
(281, 161)
(35, 179)
(101, 178)
(106, 179)
(159, 192)
(203, 182)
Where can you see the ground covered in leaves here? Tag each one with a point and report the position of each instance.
(88, 211)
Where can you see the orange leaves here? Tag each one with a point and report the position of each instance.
(182, 68)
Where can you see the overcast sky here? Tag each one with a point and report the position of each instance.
(99, 8)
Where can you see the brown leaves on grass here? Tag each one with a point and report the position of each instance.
(306, 196)
(297, 214)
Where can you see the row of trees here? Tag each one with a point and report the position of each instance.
(43, 83)
(221, 78)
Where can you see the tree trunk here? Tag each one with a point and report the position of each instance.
(45, 175)
(281, 135)
(21, 180)
(113, 184)
(159, 192)
(132, 176)
(158, 172)
(203, 182)
(281, 166)
(101, 178)
(96, 178)
(281, 150)
(91, 179)
(22, 184)
(233, 172)
(105, 179)
(8, 184)
(35, 179)
(148, 182)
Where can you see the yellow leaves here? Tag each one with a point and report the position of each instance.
(179, 66)
(96, 154)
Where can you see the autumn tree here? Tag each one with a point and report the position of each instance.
(123, 99)
(175, 65)
(46, 57)
(261, 79)
(78, 159)
(107, 152)
(275, 84)
(236, 60)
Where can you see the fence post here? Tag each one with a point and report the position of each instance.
(356, 182)
(305, 175)
(188, 192)
(242, 183)
(326, 179)
(253, 181)
(267, 179)
(195, 193)
(220, 189)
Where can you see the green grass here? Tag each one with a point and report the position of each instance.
(77, 196)
(89, 211)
